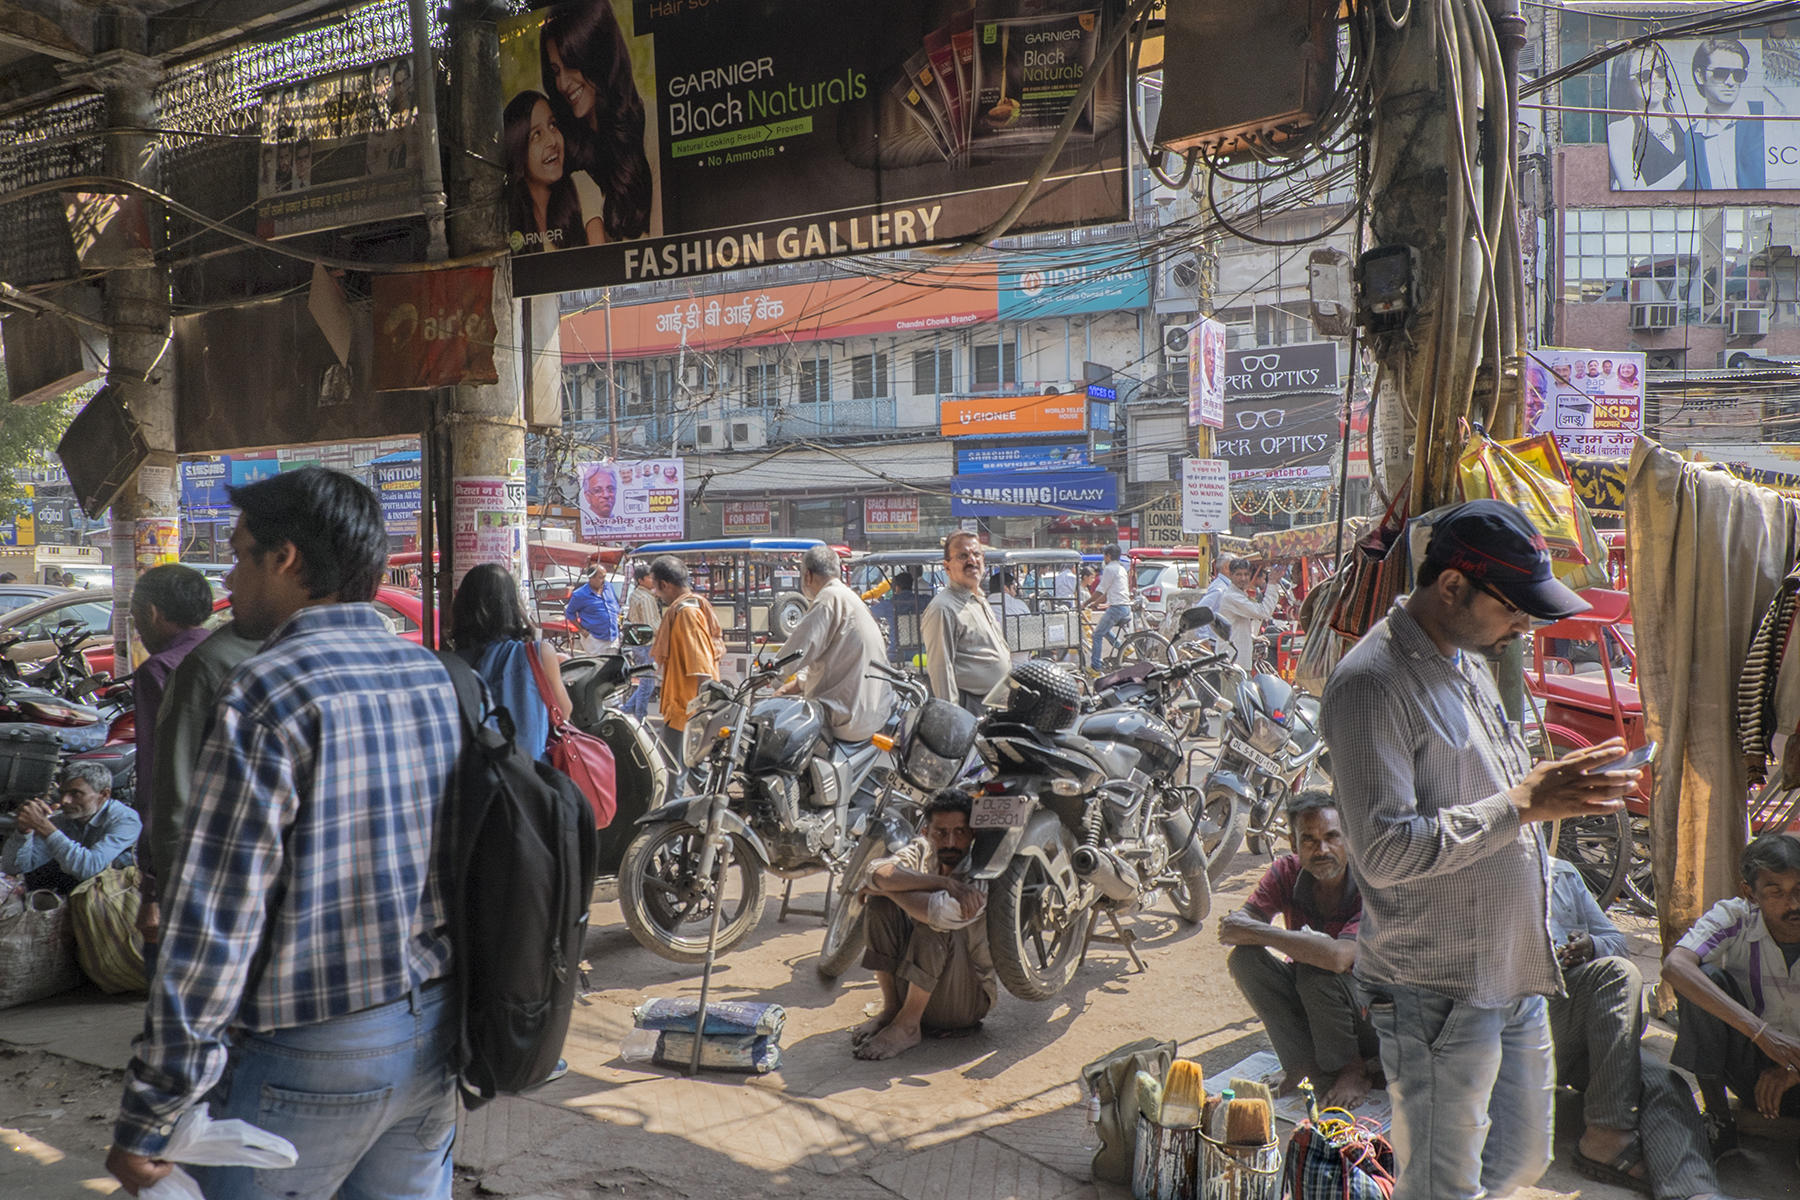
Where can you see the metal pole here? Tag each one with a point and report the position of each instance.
(431, 161)
(712, 934)
(612, 382)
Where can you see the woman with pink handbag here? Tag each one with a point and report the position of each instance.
(488, 627)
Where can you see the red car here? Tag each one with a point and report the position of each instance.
(402, 610)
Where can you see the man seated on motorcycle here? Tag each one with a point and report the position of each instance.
(1307, 1005)
(838, 643)
(927, 932)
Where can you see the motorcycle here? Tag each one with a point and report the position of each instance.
(775, 783)
(644, 775)
(1079, 817)
(931, 749)
(1270, 748)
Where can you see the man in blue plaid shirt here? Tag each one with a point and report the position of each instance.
(302, 981)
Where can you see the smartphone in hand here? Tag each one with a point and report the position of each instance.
(1643, 756)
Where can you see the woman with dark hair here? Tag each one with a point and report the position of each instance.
(488, 627)
(1650, 150)
(547, 207)
(587, 74)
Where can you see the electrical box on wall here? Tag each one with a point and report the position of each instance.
(1245, 71)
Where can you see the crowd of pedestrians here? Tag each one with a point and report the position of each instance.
(300, 760)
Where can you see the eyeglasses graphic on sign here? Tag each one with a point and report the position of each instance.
(1261, 362)
(1267, 419)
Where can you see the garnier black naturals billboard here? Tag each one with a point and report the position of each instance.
(660, 139)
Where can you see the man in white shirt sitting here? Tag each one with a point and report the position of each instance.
(1738, 985)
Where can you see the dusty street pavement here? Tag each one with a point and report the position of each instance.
(990, 1117)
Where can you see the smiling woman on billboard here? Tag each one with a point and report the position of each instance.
(588, 76)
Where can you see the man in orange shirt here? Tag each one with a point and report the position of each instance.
(687, 648)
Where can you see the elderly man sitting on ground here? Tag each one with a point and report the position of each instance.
(92, 831)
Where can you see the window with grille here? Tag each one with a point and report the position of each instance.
(996, 366)
(933, 372)
(869, 377)
(762, 384)
(814, 385)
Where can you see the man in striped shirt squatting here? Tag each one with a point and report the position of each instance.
(303, 979)
(1441, 804)
(1738, 986)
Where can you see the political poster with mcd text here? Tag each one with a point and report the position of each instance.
(1206, 374)
(1205, 495)
(639, 501)
(665, 139)
(1592, 400)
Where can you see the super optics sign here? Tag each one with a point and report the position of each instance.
(739, 135)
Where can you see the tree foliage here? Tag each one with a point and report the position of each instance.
(28, 437)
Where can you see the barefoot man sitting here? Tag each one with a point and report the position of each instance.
(927, 927)
(1307, 1004)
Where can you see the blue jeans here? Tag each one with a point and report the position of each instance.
(638, 702)
(1114, 616)
(368, 1100)
(1471, 1089)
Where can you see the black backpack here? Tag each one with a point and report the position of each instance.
(519, 870)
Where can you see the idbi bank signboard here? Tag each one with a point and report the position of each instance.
(663, 139)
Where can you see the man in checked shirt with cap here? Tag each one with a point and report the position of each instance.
(1441, 805)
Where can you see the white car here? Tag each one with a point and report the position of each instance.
(1157, 581)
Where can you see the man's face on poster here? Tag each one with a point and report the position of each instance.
(1721, 79)
(601, 490)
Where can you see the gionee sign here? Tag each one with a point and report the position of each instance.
(990, 415)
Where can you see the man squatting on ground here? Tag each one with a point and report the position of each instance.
(1307, 1005)
(927, 924)
(1642, 1130)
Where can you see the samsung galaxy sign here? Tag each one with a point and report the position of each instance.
(1281, 370)
(1033, 493)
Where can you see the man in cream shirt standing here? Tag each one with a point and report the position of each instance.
(838, 643)
(965, 652)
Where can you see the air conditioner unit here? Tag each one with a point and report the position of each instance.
(1180, 278)
(1531, 56)
(747, 433)
(690, 375)
(1175, 339)
(1655, 316)
(1751, 321)
(711, 435)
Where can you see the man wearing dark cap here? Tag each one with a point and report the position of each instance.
(1441, 805)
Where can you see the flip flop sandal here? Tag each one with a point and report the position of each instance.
(1617, 1172)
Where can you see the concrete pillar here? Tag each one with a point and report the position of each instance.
(146, 516)
(482, 424)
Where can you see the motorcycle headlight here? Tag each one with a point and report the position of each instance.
(703, 730)
(1266, 735)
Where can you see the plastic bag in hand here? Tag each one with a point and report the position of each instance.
(201, 1140)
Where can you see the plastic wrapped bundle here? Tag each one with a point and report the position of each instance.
(726, 1017)
(720, 1052)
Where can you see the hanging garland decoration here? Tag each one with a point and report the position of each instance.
(1253, 502)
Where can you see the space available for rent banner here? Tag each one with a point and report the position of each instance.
(1592, 400)
(659, 139)
(635, 501)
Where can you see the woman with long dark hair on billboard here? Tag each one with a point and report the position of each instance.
(548, 207)
(1650, 149)
(587, 75)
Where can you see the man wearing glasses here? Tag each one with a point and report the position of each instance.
(1728, 152)
(1441, 807)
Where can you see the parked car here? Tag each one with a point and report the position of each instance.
(18, 595)
(94, 608)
